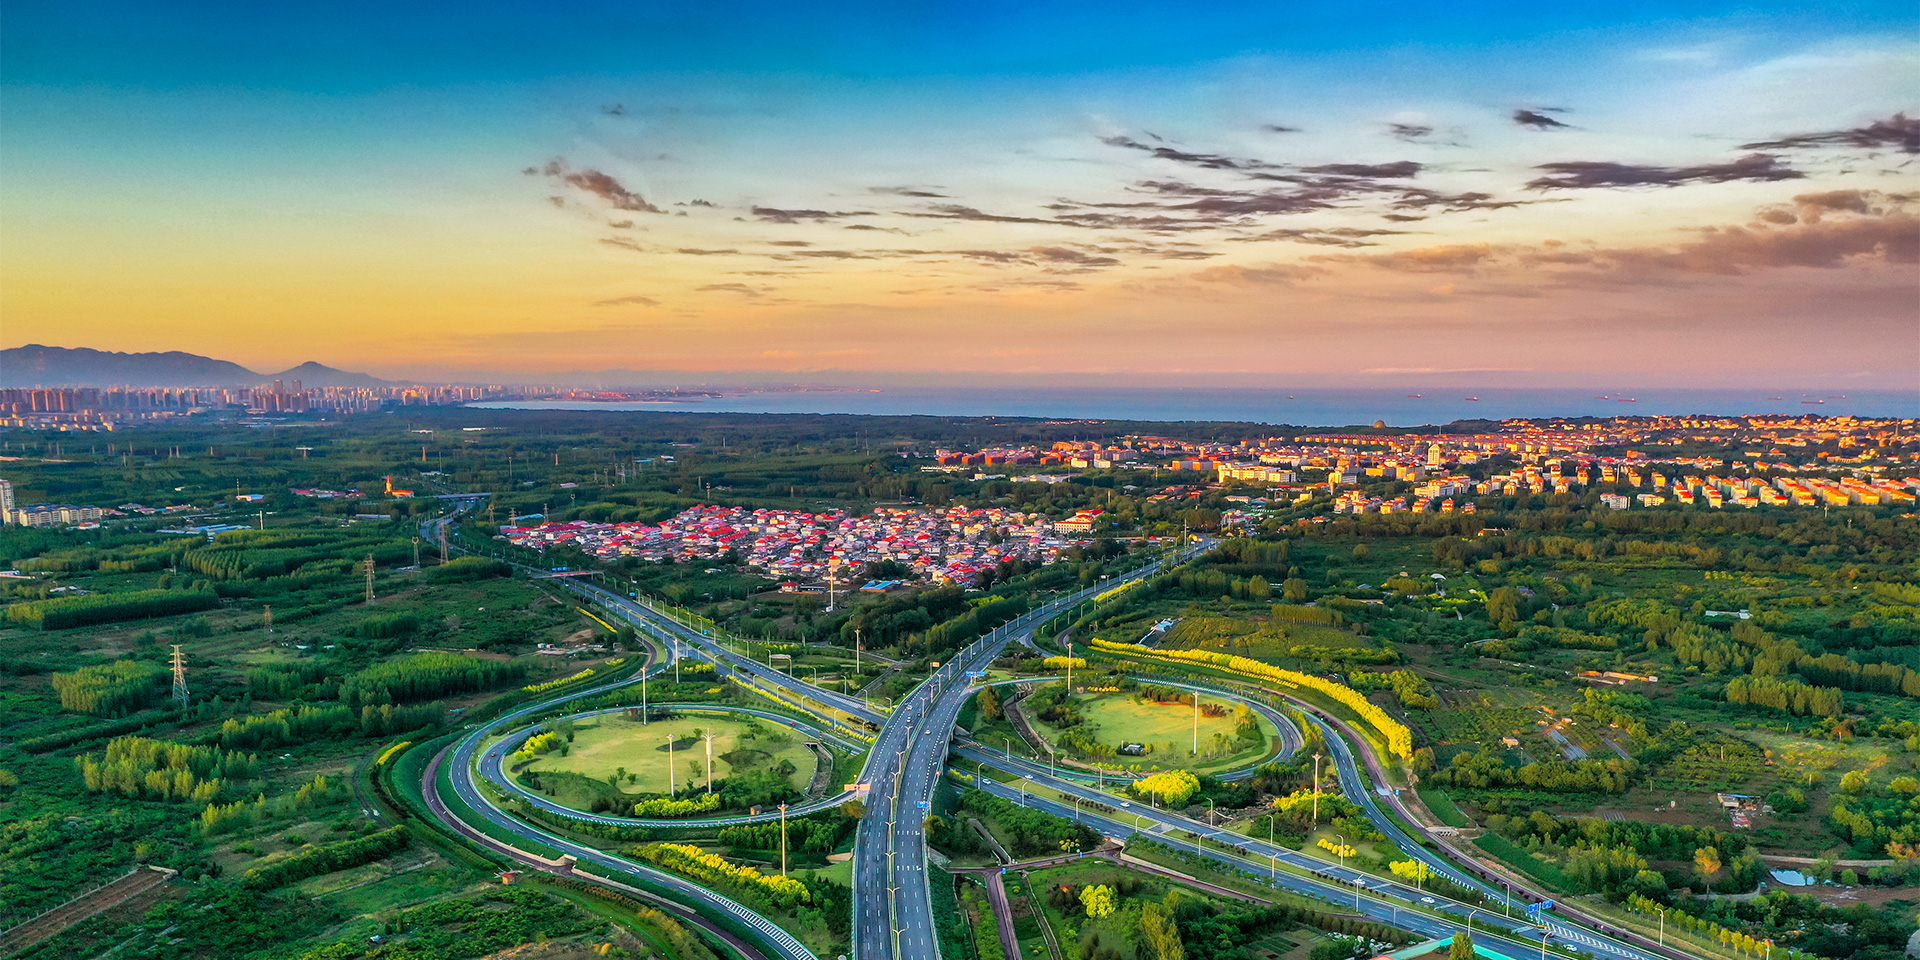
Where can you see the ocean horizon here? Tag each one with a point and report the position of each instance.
(1304, 407)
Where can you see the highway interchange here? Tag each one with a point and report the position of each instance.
(892, 906)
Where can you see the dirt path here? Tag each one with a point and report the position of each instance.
(93, 902)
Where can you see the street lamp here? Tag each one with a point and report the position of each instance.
(1316, 788)
(709, 763)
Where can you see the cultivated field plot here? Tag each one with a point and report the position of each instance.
(614, 747)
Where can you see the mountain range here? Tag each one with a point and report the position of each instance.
(40, 366)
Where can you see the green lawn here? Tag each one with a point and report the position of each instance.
(604, 745)
(1442, 806)
(1119, 718)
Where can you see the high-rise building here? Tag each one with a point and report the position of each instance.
(6, 502)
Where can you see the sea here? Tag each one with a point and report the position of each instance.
(1303, 407)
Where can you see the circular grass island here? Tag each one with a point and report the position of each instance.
(611, 762)
(1145, 726)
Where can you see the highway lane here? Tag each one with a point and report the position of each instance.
(1353, 786)
(893, 909)
(1579, 925)
(1263, 853)
(1382, 901)
(712, 649)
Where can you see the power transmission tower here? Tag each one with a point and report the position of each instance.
(369, 578)
(416, 551)
(180, 676)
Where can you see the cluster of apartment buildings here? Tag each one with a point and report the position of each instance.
(105, 408)
(1555, 457)
(956, 544)
(53, 515)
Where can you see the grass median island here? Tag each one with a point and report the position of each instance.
(614, 758)
(1152, 727)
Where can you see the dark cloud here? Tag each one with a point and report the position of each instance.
(869, 226)
(1898, 131)
(1052, 256)
(1417, 199)
(791, 243)
(1584, 174)
(1821, 231)
(1401, 217)
(627, 301)
(1327, 237)
(777, 215)
(1277, 128)
(620, 224)
(954, 211)
(615, 110)
(701, 203)
(908, 192)
(1275, 274)
(1410, 132)
(1440, 259)
(623, 242)
(1538, 121)
(1211, 161)
(833, 254)
(989, 256)
(1399, 170)
(698, 252)
(600, 185)
(739, 288)
(1068, 255)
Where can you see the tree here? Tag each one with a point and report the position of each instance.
(1462, 948)
(1707, 861)
(1160, 934)
(1294, 590)
(1854, 781)
(1098, 900)
(989, 705)
(1503, 606)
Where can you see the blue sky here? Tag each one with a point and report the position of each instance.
(1523, 192)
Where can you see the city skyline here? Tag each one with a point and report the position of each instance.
(1715, 195)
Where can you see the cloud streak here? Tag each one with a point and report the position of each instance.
(1898, 132)
(1586, 174)
(600, 185)
(1536, 120)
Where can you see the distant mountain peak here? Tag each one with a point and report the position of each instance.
(316, 374)
(36, 365)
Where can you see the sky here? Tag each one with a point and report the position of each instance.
(1219, 194)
